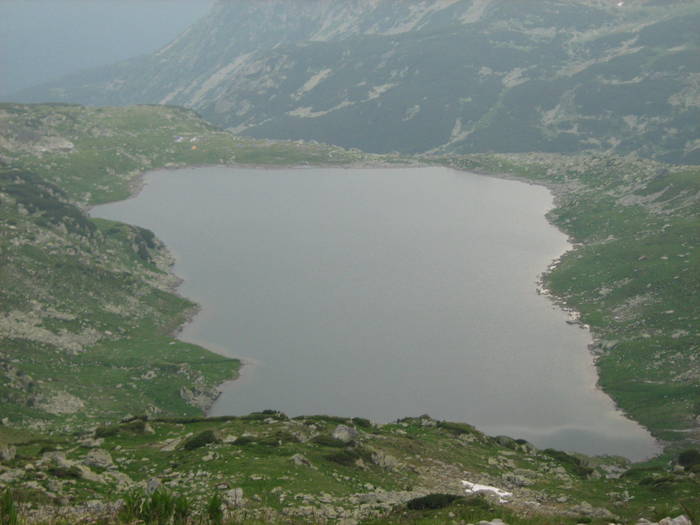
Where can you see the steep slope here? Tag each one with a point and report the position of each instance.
(451, 75)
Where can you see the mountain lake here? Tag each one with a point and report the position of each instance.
(383, 293)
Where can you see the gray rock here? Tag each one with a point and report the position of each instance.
(384, 460)
(7, 453)
(91, 442)
(11, 475)
(345, 433)
(516, 480)
(234, 498)
(586, 509)
(99, 458)
(170, 445)
(301, 461)
(680, 520)
(152, 485)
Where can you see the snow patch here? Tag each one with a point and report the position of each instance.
(476, 488)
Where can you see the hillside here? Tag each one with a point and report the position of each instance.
(632, 276)
(87, 306)
(267, 468)
(101, 405)
(452, 76)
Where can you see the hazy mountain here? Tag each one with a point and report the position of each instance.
(447, 75)
(42, 40)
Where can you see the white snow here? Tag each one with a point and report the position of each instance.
(476, 488)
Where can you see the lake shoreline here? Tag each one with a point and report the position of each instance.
(536, 285)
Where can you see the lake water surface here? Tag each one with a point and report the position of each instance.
(383, 293)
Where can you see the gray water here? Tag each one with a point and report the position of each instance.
(383, 293)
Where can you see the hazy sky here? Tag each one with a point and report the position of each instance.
(45, 39)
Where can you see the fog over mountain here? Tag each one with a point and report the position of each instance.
(448, 75)
(41, 40)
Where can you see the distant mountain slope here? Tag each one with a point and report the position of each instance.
(448, 75)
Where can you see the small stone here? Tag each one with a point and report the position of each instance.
(153, 484)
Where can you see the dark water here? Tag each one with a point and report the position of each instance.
(383, 293)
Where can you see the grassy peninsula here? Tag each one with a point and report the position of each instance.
(102, 407)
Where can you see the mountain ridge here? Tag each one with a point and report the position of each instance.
(456, 76)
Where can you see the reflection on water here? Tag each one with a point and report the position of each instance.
(383, 293)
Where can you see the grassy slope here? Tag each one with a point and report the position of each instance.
(383, 468)
(86, 305)
(634, 275)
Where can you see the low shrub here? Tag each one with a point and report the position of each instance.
(103, 432)
(8, 510)
(362, 422)
(658, 482)
(215, 512)
(244, 440)
(348, 457)
(310, 420)
(432, 501)
(326, 440)
(137, 426)
(457, 428)
(200, 440)
(572, 464)
(279, 438)
(159, 508)
(72, 472)
(689, 458)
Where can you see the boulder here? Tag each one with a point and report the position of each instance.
(234, 498)
(345, 433)
(384, 460)
(7, 453)
(301, 461)
(98, 457)
(680, 520)
(152, 485)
